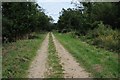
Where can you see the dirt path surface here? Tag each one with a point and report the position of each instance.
(69, 64)
(38, 66)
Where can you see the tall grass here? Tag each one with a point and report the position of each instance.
(17, 56)
(99, 62)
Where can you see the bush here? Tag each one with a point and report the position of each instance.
(105, 37)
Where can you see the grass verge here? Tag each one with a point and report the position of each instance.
(99, 62)
(55, 69)
(17, 56)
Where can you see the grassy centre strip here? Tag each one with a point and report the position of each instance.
(55, 69)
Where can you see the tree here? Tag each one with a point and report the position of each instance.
(21, 19)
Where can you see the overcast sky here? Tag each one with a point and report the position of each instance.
(53, 7)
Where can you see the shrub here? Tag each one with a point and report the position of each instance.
(105, 37)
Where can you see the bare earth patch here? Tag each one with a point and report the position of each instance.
(38, 66)
(69, 64)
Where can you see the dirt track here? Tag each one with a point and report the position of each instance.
(38, 66)
(71, 67)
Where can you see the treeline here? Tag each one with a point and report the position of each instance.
(20, 19)
(95, 23)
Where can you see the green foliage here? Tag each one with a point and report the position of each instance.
(106, 12)
(22, 18)
(96, 23)
(70, 19)
(105, 37)
(83, 19)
